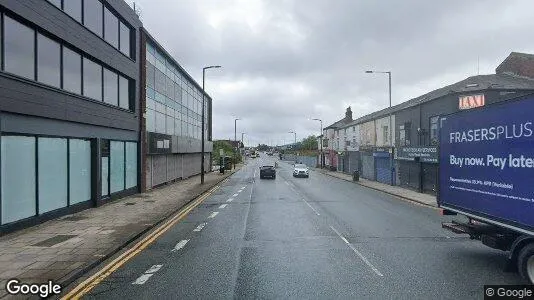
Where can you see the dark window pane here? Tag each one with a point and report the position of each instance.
(48, 61)
(170, 87)
(160, 86)
(111, 89)
(125, 39)
(74, 9)
(72, 71)
(92, 79)
(124, 92)
(19, 48)
(111, 28)
(56, 3)
(150, 75)
(92, 15)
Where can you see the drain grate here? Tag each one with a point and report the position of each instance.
(129, 203)
(54, 240)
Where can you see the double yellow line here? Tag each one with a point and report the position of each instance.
(87, 285)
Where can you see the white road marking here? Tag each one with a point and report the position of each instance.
(235, 195)
(310, 207)
(244, 187)
(148, 273)
(213, 215)
(142, 279)
(230, 200)
(153, 269)
(180, 245)
(223, 205)
(200, 227)
(287, 183)
(358, 253)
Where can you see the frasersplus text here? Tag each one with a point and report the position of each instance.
(493, 161)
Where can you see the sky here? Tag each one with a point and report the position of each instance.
(285, 62)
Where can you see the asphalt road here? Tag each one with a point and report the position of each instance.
(307, 238)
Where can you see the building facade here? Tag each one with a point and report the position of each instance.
(69, 108)
(171, 129)
(412, 162)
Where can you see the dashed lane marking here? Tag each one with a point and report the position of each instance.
(180, 245)
(230, 200)
(213, 215)
(199, 227)
(223, 205)
(148, 273)
(235, 195)
(365, 260)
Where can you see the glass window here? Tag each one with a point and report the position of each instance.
(56, 3)
(150, 75)
(170, 125)
(170, 88)
(150, 58)
(79, 170)
(150, 48)
(104, 172)
(116, 167)
(72, 71)
(131, 165)
(160, 85)
(111, 28)
(124, 93)
(177, 127)
(92, 15)
(160, 122)
(434, 139)
(125, 39)
(92, 79)
(52, 170)
(18, 178)
(74, 9)
(111, 89)
(48, 61)
(19, 50)
(150, 120)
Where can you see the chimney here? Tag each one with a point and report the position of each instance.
(348, 114)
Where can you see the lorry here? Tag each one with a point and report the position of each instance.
(486, 173)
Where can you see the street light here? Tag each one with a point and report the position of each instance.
(203, 121)
(390, 122)
(235, 138)
(321, 139)
(295, 136)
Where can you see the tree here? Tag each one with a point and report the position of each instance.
(309, 143)
(227, 148)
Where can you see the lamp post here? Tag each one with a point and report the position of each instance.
(235, 139)
(390, 121)
(203, 121)
(321, 141)
(295, 136)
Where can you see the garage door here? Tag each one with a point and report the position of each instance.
(383, 173)
(368, 168)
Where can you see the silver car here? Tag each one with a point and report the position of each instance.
(301, 170)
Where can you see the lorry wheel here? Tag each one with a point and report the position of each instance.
(525, 262)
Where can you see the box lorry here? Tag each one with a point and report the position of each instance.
(486, 173)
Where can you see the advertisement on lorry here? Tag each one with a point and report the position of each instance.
(487, 162)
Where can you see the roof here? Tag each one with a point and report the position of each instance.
(182, 70)
(468, 85)
(338, 124)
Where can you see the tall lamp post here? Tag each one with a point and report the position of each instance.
(235, 139)
(390, 121)
(203, 120)
(295, 136)
(321, 141)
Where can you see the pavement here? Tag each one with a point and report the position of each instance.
(66, 248)
(305, 238)
(406, 194)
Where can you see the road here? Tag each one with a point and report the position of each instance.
(314, 238)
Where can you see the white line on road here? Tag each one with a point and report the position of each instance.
(200, 227)
(213, 215)
(142, 279)
(148, 273)
(244, 187)
(223, 205)
(235, 195)
(358, 253)
(230, 200)
(180, 245)
(310, 206)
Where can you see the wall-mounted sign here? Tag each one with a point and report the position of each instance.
(428, 154)
(159, 143)
(472, 101)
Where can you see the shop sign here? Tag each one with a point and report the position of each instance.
(468, 102)
(428, 154)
